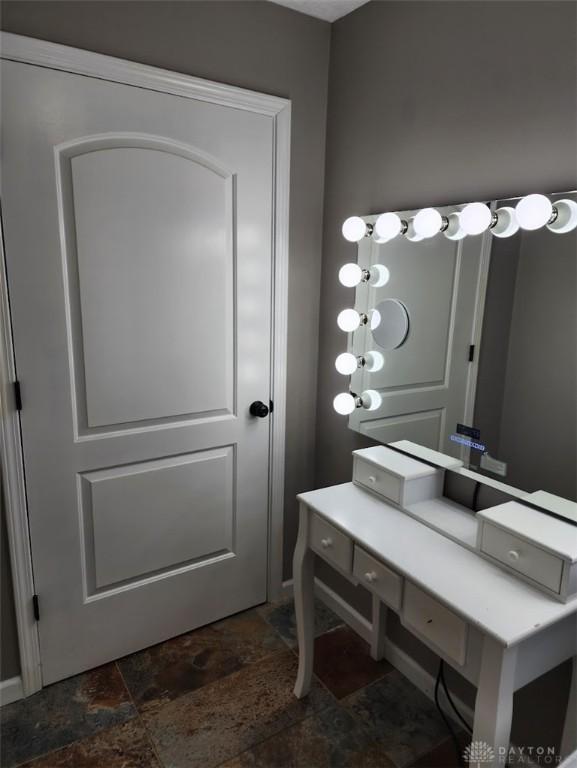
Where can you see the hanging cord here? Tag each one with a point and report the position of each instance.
(451, 702)
(475, 502)
(446, 720)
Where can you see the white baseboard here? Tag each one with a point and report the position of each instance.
(406, 664)
(11, 690)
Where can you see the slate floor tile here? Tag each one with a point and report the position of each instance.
(281, 616)
(208, 726)
(123, 746)
(332, 738)
(403, 720)
(188, 662)
(344, 664)
(63, 713)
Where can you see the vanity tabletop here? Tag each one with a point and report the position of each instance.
(501, 605)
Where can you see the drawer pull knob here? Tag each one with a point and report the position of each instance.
(513, 555)
(326, 543)
(371, 577)
(372, 479)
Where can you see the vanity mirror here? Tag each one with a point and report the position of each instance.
(462, 335)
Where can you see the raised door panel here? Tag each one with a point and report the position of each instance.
(150, 272)
(156, 517)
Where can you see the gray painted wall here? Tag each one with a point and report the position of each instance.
(431, 103)
(254, 45)
(9, 660)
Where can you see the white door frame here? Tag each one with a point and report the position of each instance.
(61, 57)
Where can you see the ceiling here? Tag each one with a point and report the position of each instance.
(329, 10)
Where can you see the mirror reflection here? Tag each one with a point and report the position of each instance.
(475, 340)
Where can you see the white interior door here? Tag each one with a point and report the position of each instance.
(427, 384)
(138, 238)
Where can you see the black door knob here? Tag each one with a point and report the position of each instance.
(259, 409)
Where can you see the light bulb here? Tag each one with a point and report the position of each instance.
(379, 275)
(374, 361)
(387, 226)
(454, 230)
(533, 211)
(411, 234)
(374, 319)
(346, 364)
(371, 399)
(348, 320)
(506, 224)
(428, 222)
(350, 275)
(475, 218)
(344, 403)
(354, 229)
(566, 217)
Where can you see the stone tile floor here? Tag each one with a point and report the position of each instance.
(222, 696)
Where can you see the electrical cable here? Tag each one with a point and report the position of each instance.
(446, 720)
(451, 702)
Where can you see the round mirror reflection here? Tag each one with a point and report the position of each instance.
(393, 327)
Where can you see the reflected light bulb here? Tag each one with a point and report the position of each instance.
(348, 320)
(566, 217)
(344, 403)
(371, 399)
(428, 222)
(387, 226)
(354, 229)
(346, 363)
(374, 319)
(507, 224)
(411, 234)
(379, 276)
(374, 361)
(454, 230)
(350, 275)
(475, 218)
(533, 211)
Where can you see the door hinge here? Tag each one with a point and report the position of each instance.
(36, 607)
(471, 352)
(271, 406)
(17, 396)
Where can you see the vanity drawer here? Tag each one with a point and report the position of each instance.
(378, 480)
(330, 543)
(446, 631)
(521, 556)
(385, 583)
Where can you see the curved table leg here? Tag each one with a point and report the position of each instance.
(303, 575)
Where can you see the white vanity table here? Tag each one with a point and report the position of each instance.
(477, 614)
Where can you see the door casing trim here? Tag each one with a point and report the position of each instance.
(76, 61)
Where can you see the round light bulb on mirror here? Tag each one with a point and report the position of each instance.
(454, 230)
(533, 212)
(374, 361)
(346, 364)
(348, 320)
(354, 229)
(344, 403)
(475, 218)
(371, 399)
(566, 219)
(428, 222)
(506, 224)
(379, 275)
(387, 227)
(350, 275)
(411, 234)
